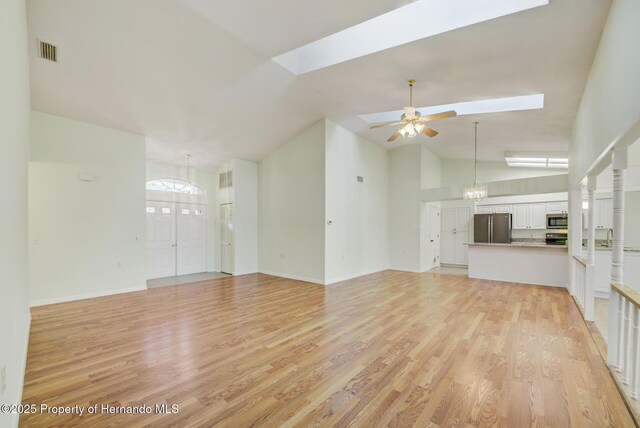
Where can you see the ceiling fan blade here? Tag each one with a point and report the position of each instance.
(429, 132)
(380, 125)
(437, 116)
(394, 136)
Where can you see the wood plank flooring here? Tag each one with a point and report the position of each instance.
(387, 349)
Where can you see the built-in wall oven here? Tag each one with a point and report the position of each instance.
(557, 221)
(558, 237)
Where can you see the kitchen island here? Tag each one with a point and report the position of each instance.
(523, 262)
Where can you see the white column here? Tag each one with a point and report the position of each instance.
(617, 252)
(591, 220)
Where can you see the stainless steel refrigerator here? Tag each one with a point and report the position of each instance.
(494, 228)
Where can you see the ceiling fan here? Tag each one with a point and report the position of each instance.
(411, 121)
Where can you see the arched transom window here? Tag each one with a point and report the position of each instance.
(175, 185)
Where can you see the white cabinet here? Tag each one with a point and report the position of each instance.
(520, 216)
(604, 213)
(455, 234)
(502, 209)
(561, 207)
(494, 209)
(529, 216)
(537, 216)
(485, 209)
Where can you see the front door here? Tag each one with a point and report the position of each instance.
(161, 239)
(192, 239)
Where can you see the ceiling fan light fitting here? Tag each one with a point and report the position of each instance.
(409, 112)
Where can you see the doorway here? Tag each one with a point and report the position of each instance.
(226, 238)
(434, 235)
(176, 239)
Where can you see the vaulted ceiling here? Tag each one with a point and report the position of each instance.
(195, 76)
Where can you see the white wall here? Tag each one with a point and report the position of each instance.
(292, 208)
(205, 179)
(86, 238)
(609, 105)
(405, 178)
(245, 216)
(430, 176)
(14, 144)
(357, 241)
(460, 172)
(632, 221)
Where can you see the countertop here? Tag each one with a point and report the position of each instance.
(516, 244)
(626, 249)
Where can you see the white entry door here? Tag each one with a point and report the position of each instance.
(226, 238)
(192, 239)
(434, 235)
(161, 239)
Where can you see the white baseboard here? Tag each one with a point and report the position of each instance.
(296, 277)
(348, 277)
(84, 296)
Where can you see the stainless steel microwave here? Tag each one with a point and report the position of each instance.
(557, 221)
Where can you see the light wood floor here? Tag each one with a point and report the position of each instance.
(393, 348)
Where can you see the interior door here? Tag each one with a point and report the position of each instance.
(161, 239)
(434, 238)
(192, 239)
(462, 219)
(226, 238)
(460, 248)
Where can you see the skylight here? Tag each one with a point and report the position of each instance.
(537, 160)
(415, 21)
(494, 105)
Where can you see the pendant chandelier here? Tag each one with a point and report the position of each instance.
(477, 191)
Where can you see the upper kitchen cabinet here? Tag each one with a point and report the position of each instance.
(529, 216)
(494, 209)
(485, 209)
(561, 207)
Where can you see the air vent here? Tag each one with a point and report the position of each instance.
(48, 51)
(226, 179)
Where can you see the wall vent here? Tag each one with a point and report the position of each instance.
(226, 179)
(48, 51)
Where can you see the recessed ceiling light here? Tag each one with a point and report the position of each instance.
(492, 105)
(415, 21)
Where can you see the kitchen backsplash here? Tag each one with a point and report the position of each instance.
(532, 240)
